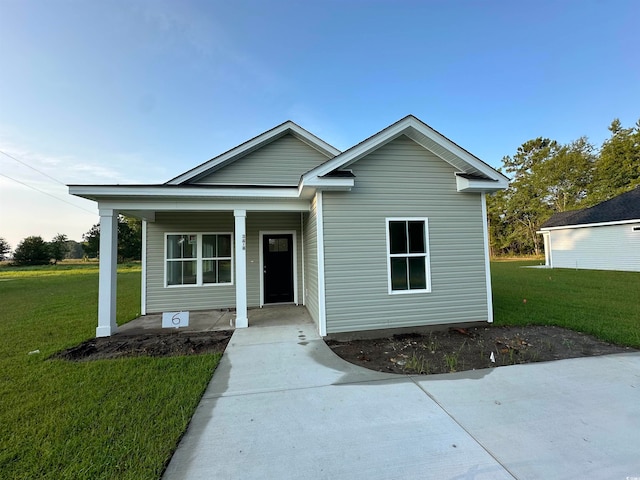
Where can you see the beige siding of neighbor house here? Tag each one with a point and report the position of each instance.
(161, 298)
(607, 247)
(311, 261)
(402, 179)
(281, 162)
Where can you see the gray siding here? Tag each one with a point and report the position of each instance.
(159, 298)
(402, 179)
(613, 247)
(281, 162)
(311, 262)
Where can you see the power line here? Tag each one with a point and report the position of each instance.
(32, 168)
(46, 193)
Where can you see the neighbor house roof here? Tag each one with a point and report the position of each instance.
(621, 208)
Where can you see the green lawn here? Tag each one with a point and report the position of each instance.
(102, 419)
(602, 303)
(123, 418)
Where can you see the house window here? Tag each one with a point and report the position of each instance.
(198, 259)
(408, 255)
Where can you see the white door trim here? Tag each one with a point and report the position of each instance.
(262, 233)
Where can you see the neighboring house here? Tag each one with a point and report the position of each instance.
(389, 233)
(603, 237)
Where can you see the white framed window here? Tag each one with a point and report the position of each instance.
(197, 259)
(408, 265)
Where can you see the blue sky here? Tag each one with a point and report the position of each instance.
(138, 91)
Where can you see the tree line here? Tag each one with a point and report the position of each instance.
(34, 250)
(548, 177)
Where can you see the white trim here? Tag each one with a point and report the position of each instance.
(322, 312)
(477, 185)
(261, 235)
(92, 192)
(240, 217)
(107, 274)
(588, 225)
(143, 285)
(256, 143)
(206, 205)
(426, 255)
(199, 259)
(487, 264)
(546, 238)
(304, 294)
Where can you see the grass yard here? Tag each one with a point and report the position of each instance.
(602, 303)
(102, 419)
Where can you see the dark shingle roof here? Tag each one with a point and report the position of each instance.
(622, 207)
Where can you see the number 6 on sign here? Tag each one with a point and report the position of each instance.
(175, 319)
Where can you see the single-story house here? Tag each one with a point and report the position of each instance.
(389, 233)
(603, 237)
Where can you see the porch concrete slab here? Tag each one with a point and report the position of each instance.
(370, 430)
(199, 321)
(577, 418)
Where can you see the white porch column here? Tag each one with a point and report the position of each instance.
(242, 321)
(107, 276)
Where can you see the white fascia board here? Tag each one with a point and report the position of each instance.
(326, 183)
(254, 144)
(544, 230)
(203, 205)
(95, 192)
(468, 185)
(409, 126)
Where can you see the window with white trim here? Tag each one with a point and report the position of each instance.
(198, 259)
(408, 255)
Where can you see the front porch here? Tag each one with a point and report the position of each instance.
(215, 320)
(227, 260)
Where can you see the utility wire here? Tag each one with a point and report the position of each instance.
(32, 168)
(46, 193)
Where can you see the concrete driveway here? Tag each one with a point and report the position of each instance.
(281, 405)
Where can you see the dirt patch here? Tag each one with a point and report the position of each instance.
(151, 345)
(459, 349)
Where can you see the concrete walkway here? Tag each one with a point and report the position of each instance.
(281, 405)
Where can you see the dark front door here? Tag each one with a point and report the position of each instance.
(277, 255)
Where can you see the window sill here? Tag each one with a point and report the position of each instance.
(204, 285)
(408, 292)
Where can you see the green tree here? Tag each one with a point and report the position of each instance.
(5, 249)
(546, 177)
(74, 250)
(565, 176)
(91, 241)
(525, 208)
(129, 239)
(58, 247)
(32, 251)
(617, 168)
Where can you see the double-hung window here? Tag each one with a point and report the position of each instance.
(198, 259)
(408, 255)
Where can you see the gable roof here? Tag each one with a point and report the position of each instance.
(618, 209)
(473, 175)
(286, 128)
